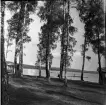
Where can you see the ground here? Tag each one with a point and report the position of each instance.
(38, 91)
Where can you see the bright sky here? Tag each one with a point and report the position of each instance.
(31, 48)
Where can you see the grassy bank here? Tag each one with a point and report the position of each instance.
(38, 91)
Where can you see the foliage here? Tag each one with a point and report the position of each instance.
(67, 34)
(14, 22)
(88, 58)
(13, 30)
(49, 31)
(92, 14)
(14, 6)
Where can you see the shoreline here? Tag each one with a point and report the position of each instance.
(26, 66)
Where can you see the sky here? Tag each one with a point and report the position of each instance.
(30, 49)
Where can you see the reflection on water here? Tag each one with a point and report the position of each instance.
(70, 75)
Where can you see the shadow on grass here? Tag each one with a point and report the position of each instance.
(39, 91)
(87, 84)
(70, 96)
(24, 96)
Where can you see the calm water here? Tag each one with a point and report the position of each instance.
(70, 75)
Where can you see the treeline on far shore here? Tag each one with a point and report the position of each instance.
(26, 66)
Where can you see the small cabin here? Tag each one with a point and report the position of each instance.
(10, 68)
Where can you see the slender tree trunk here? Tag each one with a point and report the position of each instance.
(2, 37)
(22, 16)
(62, 48)
(15, 60)
(48, 44)
(48, 71)
(67, 43)
(61, 60)
(47, 67)
(4, 74)
(61, 66)
(82, 72)
(99, 62)
(7, 47)
(65, 58)
(47, 60)
(21, 60)
(40, 68)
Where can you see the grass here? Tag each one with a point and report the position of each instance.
(38, 91)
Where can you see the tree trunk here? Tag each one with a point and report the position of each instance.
(47, 65)
(7, 47)
(2, 37)
(67, 42)
(21, 60)
(65, 72)
(61, 61)
(40, 69)
(47, 59)
(47, 69)
(15, 60)
(99, 62)
(4, 74)
(22, 16)
(82, 72)
(48, 43)
(62, 47)
(48, 72)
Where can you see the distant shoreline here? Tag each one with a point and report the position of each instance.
(26, 66)
(58, 69)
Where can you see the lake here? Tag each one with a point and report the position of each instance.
(92, 77)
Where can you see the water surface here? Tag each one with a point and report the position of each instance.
(92, 77)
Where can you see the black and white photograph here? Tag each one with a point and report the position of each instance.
(53, 52)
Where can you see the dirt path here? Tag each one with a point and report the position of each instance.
(32, 91)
